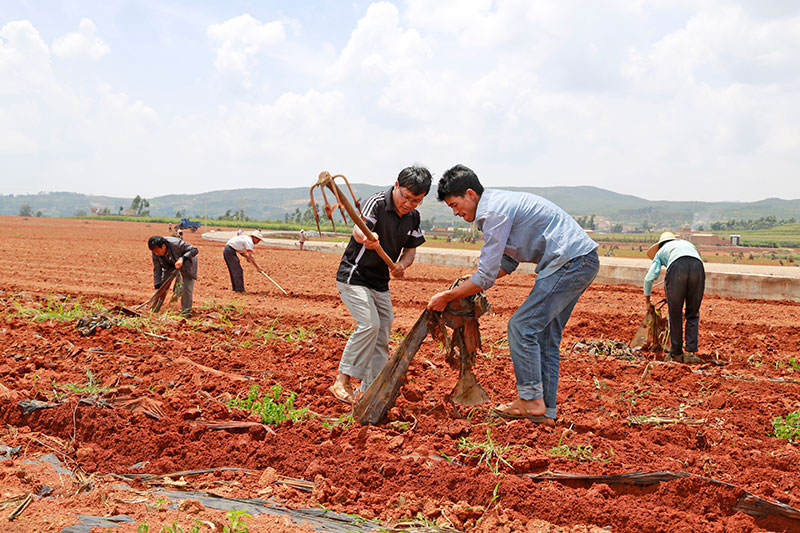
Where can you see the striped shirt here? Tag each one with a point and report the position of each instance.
(360, 266)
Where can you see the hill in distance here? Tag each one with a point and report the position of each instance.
(273, 204)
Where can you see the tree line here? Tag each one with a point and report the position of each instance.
(762, 223)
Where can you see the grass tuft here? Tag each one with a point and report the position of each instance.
(273, 407)
(787, 428)
(579, 453)
(489, 452)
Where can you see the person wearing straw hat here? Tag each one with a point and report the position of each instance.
(241, 245)
(684, 284)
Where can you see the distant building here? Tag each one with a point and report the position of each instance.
(708, 239)
(702, 239)
(440, 231)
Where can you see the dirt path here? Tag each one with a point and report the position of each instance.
(710, 421)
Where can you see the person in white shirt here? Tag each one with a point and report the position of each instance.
(241, 245)
(303, 238)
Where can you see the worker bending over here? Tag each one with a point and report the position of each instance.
(684, 284)
(243, 245)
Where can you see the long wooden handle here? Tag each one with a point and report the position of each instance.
(381, 395)
(356, 216)
(274, 282)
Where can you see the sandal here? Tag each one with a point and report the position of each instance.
(341, 393)
(511, 411)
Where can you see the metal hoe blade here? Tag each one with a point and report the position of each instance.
(343, 204)
(324, 181)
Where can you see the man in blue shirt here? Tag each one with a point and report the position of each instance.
(684, 284)
(519, 227)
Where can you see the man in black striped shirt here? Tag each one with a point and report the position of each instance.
(363, 277)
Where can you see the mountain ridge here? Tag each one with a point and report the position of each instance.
(274, 203)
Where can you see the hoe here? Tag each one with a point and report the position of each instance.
(343, 204)
(155, 302)
(459, 315)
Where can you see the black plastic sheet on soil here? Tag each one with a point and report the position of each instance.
(87, 523)
(319, 519)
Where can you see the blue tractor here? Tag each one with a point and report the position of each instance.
(185, 223)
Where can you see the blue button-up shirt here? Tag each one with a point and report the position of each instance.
(522, 227)
(666, 255)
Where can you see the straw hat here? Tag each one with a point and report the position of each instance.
(257, 234)
(665, 237)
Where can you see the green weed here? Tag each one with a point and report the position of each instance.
(631, 398)
(92, 385)
(54, 308)
(418, 523)
(580, 453)
(787, 428)
(489, 451)
(225, 310)
(237, 523)
(345, 422)
(269, 406)
(600, 386)
(396, 336)
(173, 528)
(756, 360)
(271, 333)
(790, 364)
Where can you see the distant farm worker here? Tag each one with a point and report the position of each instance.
(243, 245)
(684, 284)
(522, 227)
(302, 238)
(170, 253)
(363, 277)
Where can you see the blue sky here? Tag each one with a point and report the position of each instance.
(663, 99)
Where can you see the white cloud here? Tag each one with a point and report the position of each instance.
(24, 58)
(666, 99)
(82, 43)
(379, 47)
(239, 40)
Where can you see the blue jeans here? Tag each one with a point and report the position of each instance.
(534, 330)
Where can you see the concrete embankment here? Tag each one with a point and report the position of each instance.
(730, 280)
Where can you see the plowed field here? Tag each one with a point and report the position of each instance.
(123, 407)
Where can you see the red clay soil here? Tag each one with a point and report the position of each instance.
(713, 420)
